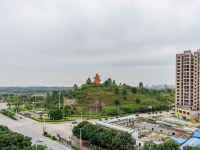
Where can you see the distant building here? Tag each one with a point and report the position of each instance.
(187, 85)
(97, 79)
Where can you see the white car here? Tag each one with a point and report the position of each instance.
(40, 140)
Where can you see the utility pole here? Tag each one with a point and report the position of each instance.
(90, 113)
(81, 117)
(35, 94)
(59, 100)
(16, 114)
(36, 145)
(45, 100)
(44, 126)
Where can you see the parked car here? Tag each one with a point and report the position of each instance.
(74, 122)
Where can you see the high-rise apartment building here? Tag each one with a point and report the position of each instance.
(187, 85)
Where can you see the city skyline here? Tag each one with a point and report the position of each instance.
(60, 43)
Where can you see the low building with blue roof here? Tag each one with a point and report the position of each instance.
(196, 134)
(194, 141)
(179, 141)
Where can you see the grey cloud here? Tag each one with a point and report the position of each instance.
(72, 40)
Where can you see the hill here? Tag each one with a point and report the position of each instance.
(112, 99)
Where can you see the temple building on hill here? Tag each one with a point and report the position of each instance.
(97, 79)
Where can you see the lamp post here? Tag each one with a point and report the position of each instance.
(90, 114)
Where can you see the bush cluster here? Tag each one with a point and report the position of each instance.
(8, 113)
(50, 136)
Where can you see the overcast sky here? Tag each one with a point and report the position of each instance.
(62, 42)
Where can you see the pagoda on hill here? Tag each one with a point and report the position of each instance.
(97, 79)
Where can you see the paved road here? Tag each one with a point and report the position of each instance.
(32, 129)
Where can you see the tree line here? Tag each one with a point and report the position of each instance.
(104, 137)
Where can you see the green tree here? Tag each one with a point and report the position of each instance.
(191, 148)
(124, 91)
(17, 102)
(106, 137)
(117, 102)
(55, 114)
(137, 100)
(123, 141)
(116, 90)
(141, 85)
(67, 110)
(95, 135)
(108, 82)
(168, 145)
(75, 87)
(76, 129)
(134, 90)
(52, 100)
(14, 141)
(9, 105)
(89, 81)
(114, 83)
(28, 106)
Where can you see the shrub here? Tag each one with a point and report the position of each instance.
(54, 138)
(124, 91)
(137, 100)
(8, 113)
(45, 133)
(134, 90)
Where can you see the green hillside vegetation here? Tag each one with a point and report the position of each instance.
(112, 99)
